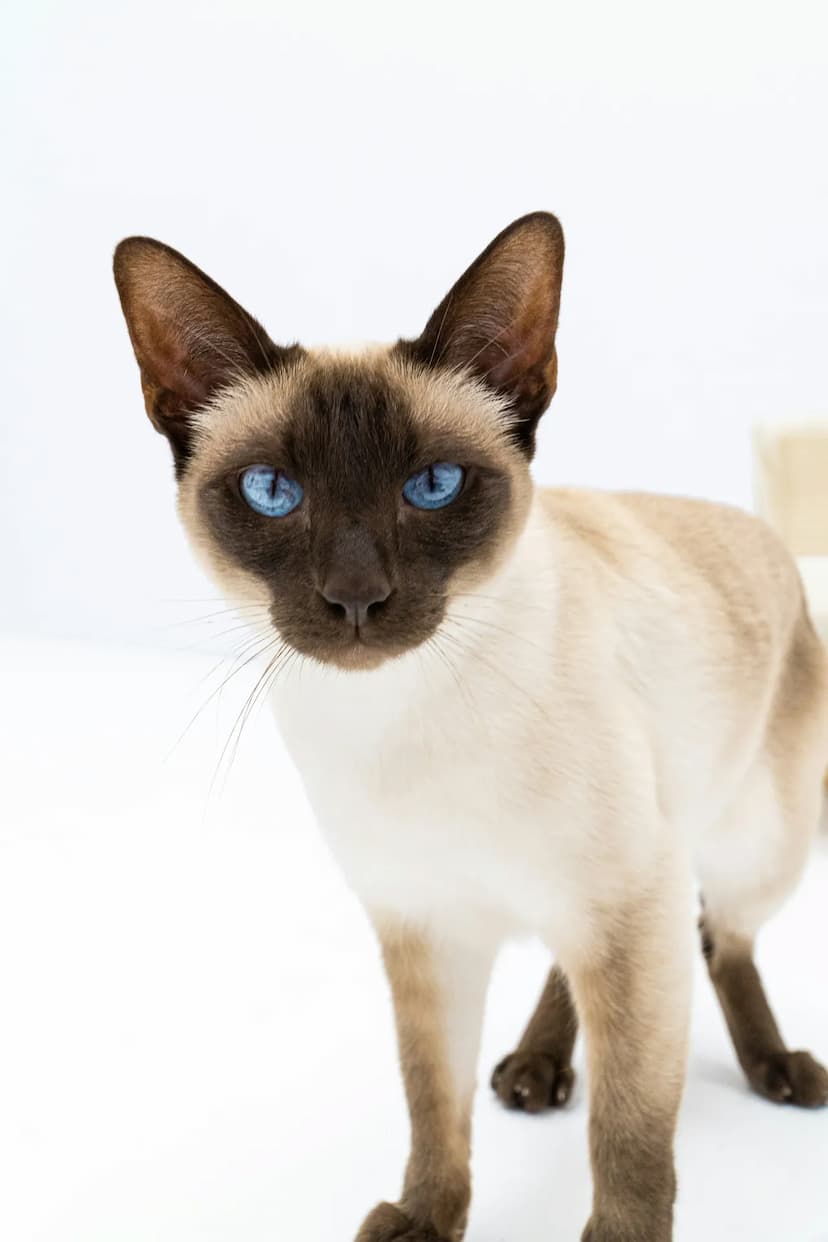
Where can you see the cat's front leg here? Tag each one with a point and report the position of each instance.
(633, 997)
(438, 984)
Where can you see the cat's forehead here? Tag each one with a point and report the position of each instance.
(371, 408)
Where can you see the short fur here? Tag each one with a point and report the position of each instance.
(565, 708)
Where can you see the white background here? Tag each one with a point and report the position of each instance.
(336, 166)
(195, 1039)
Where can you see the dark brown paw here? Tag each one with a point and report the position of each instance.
(657, 1228)
(791, 1078)
(533, 1081)
(612, 1233)
(388, 1224)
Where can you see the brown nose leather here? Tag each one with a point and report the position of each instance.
(356, 594)
(355, 580)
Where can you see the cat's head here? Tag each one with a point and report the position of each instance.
(352, 494)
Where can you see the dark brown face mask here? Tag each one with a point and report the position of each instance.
(361, 488)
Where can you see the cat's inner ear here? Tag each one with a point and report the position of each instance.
(499, 320)
(190, 338)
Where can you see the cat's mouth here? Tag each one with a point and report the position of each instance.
(357, 648)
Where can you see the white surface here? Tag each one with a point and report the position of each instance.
(196, 1041)
(336, 166)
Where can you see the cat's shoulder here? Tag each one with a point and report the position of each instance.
(702, 547)
(699, 527)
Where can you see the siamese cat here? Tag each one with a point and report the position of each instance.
(520, 710)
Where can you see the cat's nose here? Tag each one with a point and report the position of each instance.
(356, 595)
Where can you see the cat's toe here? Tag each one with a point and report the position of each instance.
(791, 1078)
(532, 1082)
(387, 1223)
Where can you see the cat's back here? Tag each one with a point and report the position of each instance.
(711, 564)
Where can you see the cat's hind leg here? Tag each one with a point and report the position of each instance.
(539, 1074)
(770, 1067)
(749, 867)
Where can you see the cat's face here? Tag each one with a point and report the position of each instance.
(355, 572)
(351, 494)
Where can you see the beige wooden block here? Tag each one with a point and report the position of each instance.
(791, 461)
(791, 480)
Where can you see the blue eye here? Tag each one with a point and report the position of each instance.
(435, 487)
(270, 492)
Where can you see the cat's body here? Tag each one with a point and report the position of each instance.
(545, 712)
(596, 687)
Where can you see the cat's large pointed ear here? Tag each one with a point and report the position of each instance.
(190, 338)
(499, 320)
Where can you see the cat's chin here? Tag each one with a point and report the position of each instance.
(356, 656)
(360, 657)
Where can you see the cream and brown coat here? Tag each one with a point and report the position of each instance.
(572, 707)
